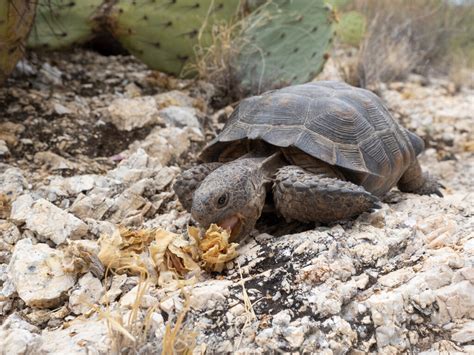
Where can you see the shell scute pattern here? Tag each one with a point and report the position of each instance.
(341, 125)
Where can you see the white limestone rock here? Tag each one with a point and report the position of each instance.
(81, 337)
(19, 337)
(12, 181)
(207, 295)
(166, 144)
(86, 294)
(181, 117)
(37, 273)
(47, 220)
(129, 113)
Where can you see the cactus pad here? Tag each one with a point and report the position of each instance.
(284, 42)
(61, 23)
(16, 18)
(163, 33)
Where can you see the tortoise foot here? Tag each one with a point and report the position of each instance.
(416, 181)
(307, 197)
(430, 186)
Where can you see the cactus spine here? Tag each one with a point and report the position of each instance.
(163, 33)
(285, 42)
(62, 23)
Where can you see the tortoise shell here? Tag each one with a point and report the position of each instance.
(347, 127)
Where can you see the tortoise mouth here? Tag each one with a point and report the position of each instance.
(233, 225)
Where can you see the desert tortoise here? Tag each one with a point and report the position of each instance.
(325, 150)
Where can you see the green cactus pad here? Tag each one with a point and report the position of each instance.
(16, 18)
(62, 23)
(284, 42)
(163, 33)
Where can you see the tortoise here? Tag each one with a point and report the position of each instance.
(324, 151)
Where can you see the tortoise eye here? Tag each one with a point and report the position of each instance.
(222, 201)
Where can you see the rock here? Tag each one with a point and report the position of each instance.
(19, 337)
(455, 301)
(115, 290)
(208, 295)
(50, 75)
(137, 166)
(82, 183)
(158, 324)
(4, 151)
(44, 265)
(9, 133)
(21, 208)
(465, 334)
(61, 110)
(90, 336)
(133, 297)
(397, 277)
(164, 144)
(91, 207)
(180, 116)
(53, 162)
(86, 294)
(12, 181)
(174, 98)
(47, 220)
(9, 232)
(130, 113)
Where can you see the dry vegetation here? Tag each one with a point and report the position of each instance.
(403, 36)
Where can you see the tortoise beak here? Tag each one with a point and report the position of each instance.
(233, 224)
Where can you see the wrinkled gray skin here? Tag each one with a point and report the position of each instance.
(235, 189)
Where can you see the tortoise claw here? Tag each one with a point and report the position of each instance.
(377, 206)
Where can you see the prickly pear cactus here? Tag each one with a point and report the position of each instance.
(284, 42)
(16, 18)
(163, 33)
(62, 23)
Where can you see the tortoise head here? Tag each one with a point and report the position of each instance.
(232, 196)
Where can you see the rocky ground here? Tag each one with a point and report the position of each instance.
(88, 143)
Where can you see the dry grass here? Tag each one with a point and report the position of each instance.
(216, 63)
(406, 36)
(177, 340)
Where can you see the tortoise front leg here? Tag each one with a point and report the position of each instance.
(307, 197)
(189, 181)
(416, 181)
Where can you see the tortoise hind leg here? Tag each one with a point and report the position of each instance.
(189, 181)
(307, 197)
(416, 181)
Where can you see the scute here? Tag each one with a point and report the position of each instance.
(344, 126)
